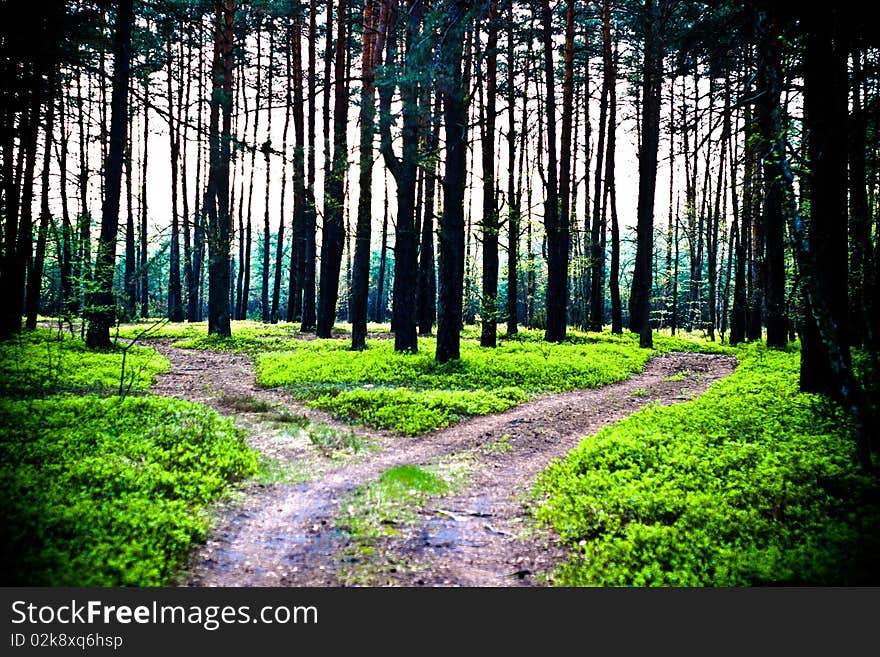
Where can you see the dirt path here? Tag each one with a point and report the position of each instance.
(282, 534)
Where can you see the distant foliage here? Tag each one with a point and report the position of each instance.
(43, 361)
(109, 491)
(752, 483)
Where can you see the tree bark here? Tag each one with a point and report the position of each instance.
(220, 138)
(331, 246)
(489, 305)
(101, 312)
(555, 227)
(451, 237)
(652, 71)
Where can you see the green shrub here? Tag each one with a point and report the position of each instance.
(411, 393)
(753, 483)
(42, 361)
(109, 491)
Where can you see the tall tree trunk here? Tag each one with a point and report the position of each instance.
(489, 306)
(772, 154)
(189, 276)
(379, 308)
(597, 255)
(220, 139)
(310, 209)
(372, 46)
(144, 241)
(652, 70)
(102, 309)
(175, 295)
(65, 256)
(555, 227)
(427, 283)
(294, 26)
(331, 245)
(513, 214)
(267, 153)
(35, 267)
(130, 270)
(861, 273)
(611, 192)
(451, 237)
(822, 252)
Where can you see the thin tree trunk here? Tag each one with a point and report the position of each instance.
(513, 215)
(556, 228)
(489, 306)
(379, 308)
(35, 267)
(175, 295)
(597, 256)
(310, 210)
(294, 27)
(144, 240)
(267, 152)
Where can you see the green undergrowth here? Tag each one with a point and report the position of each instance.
(103, 491)
(43, 361)
(753, 483)
(412, 394)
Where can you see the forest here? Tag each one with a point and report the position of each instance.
(439, 292)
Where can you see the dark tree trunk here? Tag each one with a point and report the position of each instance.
(427, 284)
(35, 268)
(451, 237)
(130, 271)
(611, 192)
(294, 26)
(861, 272)
(373, 44)
(101, 312)
(597, 256)
(556, 227)
(772, 153)
(379, 308)
(298, 228)
(267, 153)
(822, 253)
(652, 70)
(220, 138)
(144, 277)
(175, 294)
(825, 79)
(489, 306)
(512, 197)
(310, 209)
(331, 245)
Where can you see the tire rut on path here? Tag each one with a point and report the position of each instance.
(283, 535)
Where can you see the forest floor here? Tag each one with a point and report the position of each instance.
(284, 529)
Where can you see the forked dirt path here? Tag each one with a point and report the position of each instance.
(282, 534)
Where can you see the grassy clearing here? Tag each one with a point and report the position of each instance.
(108, 491)
(412, 394)
(42, 362)
(753, 483)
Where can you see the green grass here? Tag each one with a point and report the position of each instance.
(412, 394)
(42, 362)
(108, 491)
(753, 483)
